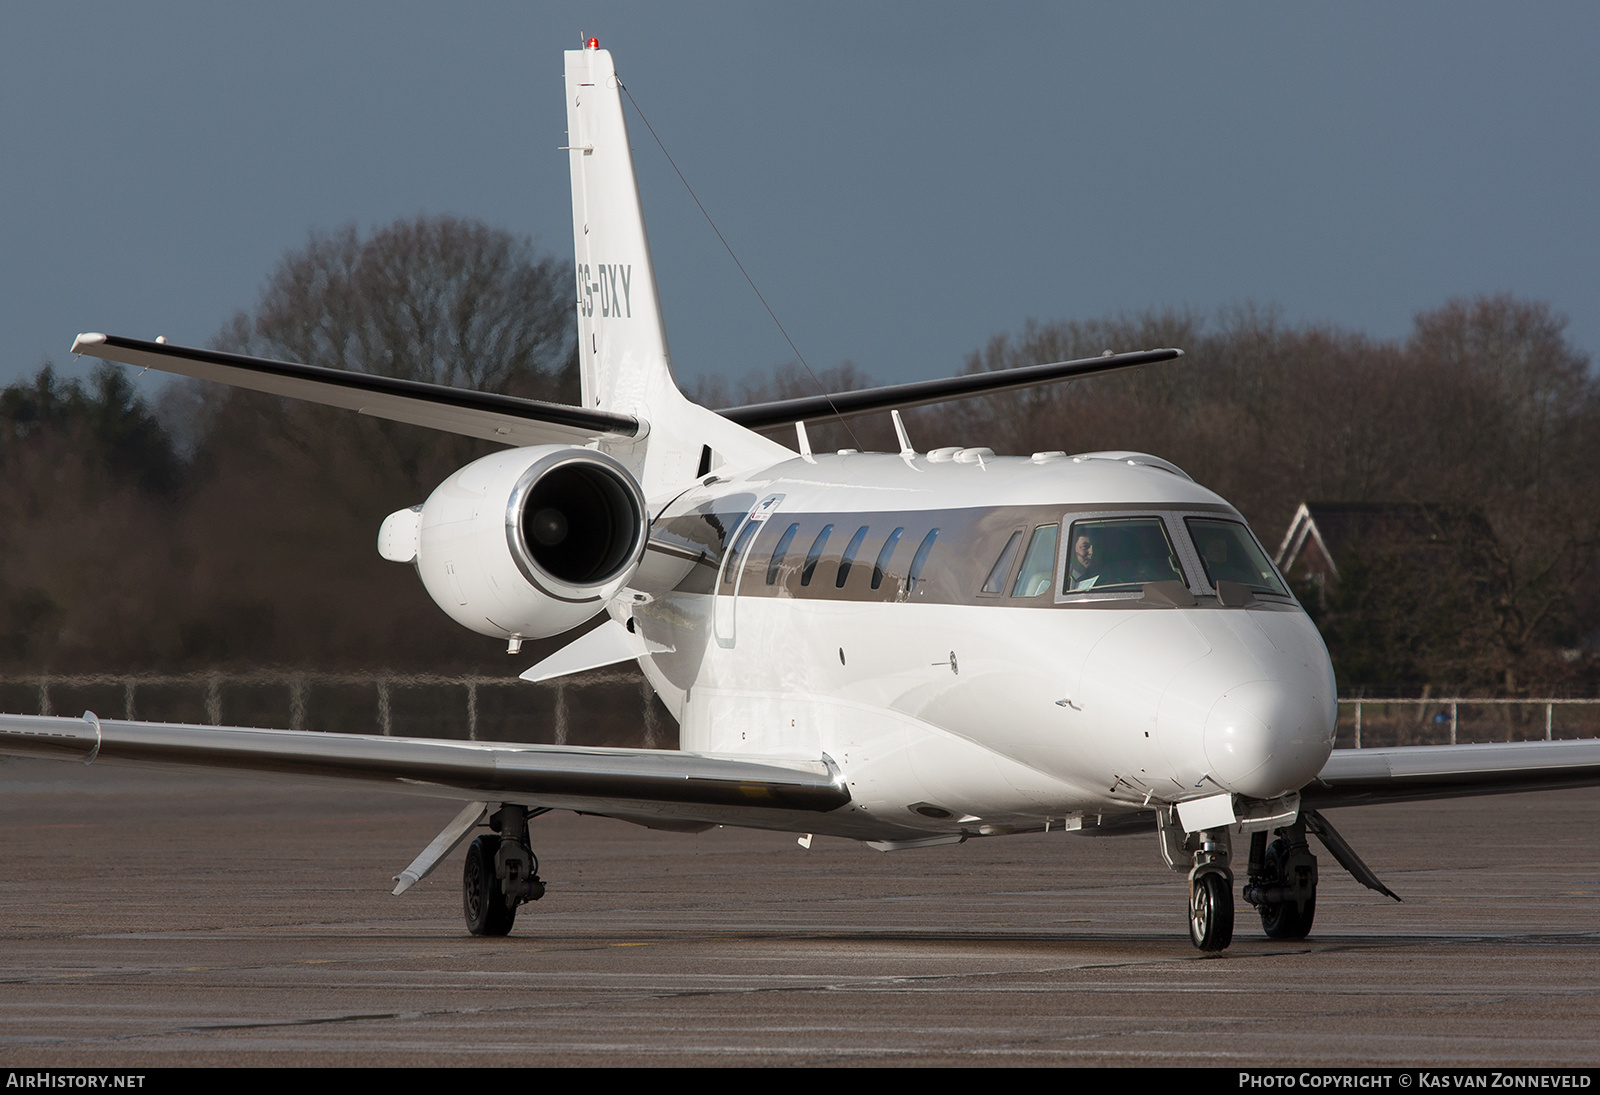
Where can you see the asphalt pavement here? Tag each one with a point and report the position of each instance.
(161, 919)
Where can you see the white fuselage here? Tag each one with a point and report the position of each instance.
(951, 711)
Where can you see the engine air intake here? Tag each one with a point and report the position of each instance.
(575, 521)
(580, 523)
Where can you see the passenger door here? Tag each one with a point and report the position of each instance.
(730, 574)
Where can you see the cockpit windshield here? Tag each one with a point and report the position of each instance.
(1230, 554)
(1119, 554)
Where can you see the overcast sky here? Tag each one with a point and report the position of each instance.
(903, 181)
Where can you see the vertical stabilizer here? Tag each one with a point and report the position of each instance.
(624, 362)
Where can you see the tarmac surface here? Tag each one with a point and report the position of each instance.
(162, 919)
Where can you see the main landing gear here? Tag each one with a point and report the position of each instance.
(1283, 882)
(501, 873)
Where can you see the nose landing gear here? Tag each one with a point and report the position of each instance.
(1211, 910)
(1205, 855)
(1211, 892)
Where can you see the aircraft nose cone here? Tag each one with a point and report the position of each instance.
(1264, 738)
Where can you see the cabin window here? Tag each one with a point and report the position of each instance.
(1119, 555)
(814, 554)
(920, 560)
(732, 566)
(882, 565)
(775, 565)
(1230, 554)
(1039, 564)
(847, 560)
(996, 581)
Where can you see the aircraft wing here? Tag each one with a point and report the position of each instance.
(1355, 777)
(503, 418)
(630, 782)
(761, 416)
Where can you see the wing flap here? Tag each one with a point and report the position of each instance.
(592, 779)
(503, 418)
(1362, 776)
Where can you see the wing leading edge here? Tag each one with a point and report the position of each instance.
(503, 418)
(1358, 777)
(761, 416)
(593, 780)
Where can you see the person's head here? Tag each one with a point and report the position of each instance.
(1083, 549)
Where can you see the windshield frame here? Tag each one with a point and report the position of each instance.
(1182, 552)
(1175, 524)
(1283, 593)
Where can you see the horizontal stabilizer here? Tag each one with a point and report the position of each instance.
(593, 780)
(503, 418)
(760, 416)
(1354, 777)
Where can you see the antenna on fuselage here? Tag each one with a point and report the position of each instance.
(900, 432)
(803, 440)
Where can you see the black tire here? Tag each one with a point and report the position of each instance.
(1211, 911)
(482, 898)
(1285, 919)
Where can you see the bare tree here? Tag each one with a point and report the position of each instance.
(1517, 430)
(440, 299)
(288, 496)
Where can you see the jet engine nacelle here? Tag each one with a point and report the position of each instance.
(525, 543)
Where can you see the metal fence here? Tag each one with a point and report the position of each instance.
(1440, 720)
(618, 707)
(615, 707)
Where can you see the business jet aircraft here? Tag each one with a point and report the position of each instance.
(907, 649)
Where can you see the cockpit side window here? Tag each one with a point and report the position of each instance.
(1039, 564)
(1119, 554)
(995, 583)
(1230, 554)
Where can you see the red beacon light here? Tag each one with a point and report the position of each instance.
(593, 43)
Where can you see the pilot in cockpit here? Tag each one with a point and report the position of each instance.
(1082, 573)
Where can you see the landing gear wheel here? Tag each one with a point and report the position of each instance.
(1211, 910)
(483, 899)
(1285, 919)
